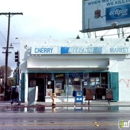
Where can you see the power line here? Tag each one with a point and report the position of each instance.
(2, 35)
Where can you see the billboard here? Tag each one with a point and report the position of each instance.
(101, 14)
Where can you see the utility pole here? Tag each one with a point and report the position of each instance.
(9, 14)
(18, 63)
(4, 68)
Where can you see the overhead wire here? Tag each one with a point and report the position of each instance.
(19, 25)
(101, 36)
(15, 31)
(118, 41)
(3, 36)
(105, 35)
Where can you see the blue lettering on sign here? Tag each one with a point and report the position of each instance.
(119, 50)
(94, 2)
(118, 12)
(80, 50)
(43, 50)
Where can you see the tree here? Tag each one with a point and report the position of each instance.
(11, 82)
(2, 71)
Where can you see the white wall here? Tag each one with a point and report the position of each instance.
(116, 62)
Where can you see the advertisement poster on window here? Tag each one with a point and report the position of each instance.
(58, 88)
(49, 92)
(75, 80)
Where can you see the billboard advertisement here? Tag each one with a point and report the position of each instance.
(101, 14)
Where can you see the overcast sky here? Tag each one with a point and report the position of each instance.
(40, 19)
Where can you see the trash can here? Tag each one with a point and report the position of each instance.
(32, 95)
(89, 94)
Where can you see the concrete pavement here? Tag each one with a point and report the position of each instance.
(100, 103)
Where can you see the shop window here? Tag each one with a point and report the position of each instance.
(59, 84)
(75, 83)
(98, 82)
(104, 80)
(94, 82)
(50, 86)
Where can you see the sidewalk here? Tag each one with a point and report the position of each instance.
(67, 104)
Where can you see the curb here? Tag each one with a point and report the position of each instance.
(61, 105)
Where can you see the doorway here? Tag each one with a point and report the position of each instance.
(99, 83)
(41, 83)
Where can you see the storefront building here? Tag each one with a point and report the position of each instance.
(65, 65)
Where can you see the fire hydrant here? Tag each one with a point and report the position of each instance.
(54, 99)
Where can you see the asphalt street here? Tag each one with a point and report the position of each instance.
(63, 118)
(62, 121)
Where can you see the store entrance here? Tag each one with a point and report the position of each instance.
(41, 83)
(97, 81)
(100, 83)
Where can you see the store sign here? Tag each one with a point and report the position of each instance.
(81, 50)
(95, 50)
(119, 50)
(116, 50)
(59, 76)
(44, 50)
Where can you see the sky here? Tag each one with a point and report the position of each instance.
(40, 19)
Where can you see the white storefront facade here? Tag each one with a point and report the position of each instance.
(65, 65)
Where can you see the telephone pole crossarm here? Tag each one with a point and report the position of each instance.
(11, 13)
